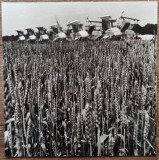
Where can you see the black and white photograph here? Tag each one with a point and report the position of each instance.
(79, 78)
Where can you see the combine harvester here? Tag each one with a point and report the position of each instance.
(103, 29)
(94, 29)
(21, 37)
(42, 35)
(109, 29)
(57, 32)
(31, 37)
(126, 25)
(75, 30)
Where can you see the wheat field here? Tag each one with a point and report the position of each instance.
(80, 98)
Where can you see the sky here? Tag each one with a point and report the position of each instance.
(22, 15)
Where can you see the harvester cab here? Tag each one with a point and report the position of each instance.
(77, 30)
(21, 37)
(107, 22)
